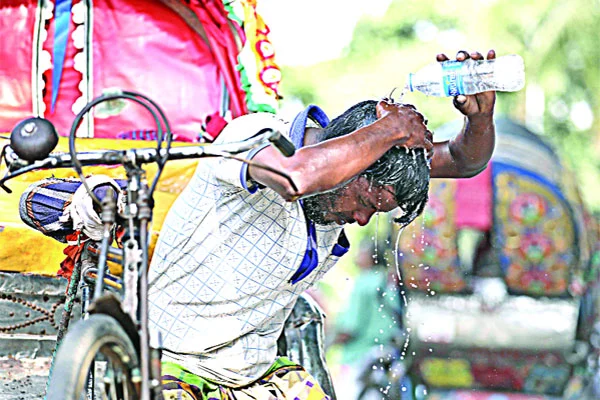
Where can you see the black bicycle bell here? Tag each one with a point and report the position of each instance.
(33, 139)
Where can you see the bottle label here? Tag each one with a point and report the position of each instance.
(452, 78)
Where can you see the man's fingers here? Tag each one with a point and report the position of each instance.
(429, 143)
(382, 108)
(429, 135)
(476, 55)
(385, 104)
(460, 103)
(429, 149)
(462, 55)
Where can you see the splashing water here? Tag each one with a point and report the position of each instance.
(423, 244)
(385, 362)
(376, 255)
(402, 292)
(405, 88)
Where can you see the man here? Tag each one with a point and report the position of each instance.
(242, 243)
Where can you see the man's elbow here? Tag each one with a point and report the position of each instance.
(471, 172)
(289, 184)
(467, 166)
(471, 167)
(297, 185)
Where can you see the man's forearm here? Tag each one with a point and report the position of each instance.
(468, 153)
(319, 167)
(473, 148)
(325, 165)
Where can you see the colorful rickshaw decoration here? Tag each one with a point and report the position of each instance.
(500, 276)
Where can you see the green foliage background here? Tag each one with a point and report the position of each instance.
(559, 41)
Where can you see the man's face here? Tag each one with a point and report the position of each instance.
(355, 202)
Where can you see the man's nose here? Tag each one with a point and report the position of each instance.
(362, 217)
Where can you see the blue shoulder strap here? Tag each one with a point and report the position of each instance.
(311, 257)
(62, 18)
(299, 123)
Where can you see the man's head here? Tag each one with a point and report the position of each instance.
(400, 178)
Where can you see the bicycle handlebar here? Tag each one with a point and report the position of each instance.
(18, 166)
(33, 140)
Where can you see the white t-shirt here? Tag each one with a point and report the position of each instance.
(220, 288)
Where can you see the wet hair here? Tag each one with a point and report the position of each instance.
(404, 169)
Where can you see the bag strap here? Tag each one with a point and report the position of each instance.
(299, 124)
(311, 257)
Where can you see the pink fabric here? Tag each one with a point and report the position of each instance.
(17, 19)
(474, 201)
(144, 46)
(137, 45)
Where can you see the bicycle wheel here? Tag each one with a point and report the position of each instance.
(97, 344)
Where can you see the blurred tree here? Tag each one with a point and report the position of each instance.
(557, 39)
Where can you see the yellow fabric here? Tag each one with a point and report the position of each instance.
(284, 381)
(23, 249)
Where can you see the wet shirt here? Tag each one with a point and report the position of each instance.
(220, 288)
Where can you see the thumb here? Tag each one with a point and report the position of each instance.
(460, 101)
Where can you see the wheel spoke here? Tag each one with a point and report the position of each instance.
(100, 345)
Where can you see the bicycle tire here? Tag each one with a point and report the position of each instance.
(99, 336)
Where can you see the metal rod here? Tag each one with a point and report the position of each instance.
(108, 218)
(66, 315)
(145, 356)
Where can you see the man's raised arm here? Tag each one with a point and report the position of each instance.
(469, 152)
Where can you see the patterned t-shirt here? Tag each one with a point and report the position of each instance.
(220, 288)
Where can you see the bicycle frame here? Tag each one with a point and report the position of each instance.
(137, 216)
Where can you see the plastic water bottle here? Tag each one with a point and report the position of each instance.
(452, 78)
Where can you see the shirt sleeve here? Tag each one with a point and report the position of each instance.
(235, 172)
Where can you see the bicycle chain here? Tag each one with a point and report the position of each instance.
(48, 315)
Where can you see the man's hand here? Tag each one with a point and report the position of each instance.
(410, 125)
(469, 151)
(478, 105)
